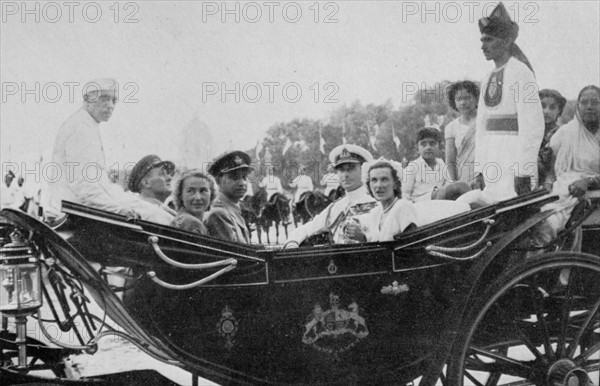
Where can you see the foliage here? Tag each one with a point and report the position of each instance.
(371, 126)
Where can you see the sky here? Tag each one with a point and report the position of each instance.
(241, 67)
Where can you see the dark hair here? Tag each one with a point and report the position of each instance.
(590, 87)
(395, 177)
(561, 100)
(178, 191)
(428, 132)
(471, 87)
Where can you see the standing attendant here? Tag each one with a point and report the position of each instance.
(460, 133)
(225, 220)
(510, 122)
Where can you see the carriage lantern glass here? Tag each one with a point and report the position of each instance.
(20, 277)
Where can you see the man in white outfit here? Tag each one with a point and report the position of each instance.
(271, 183)
(510, 121)
(352, 208)
(82, 176)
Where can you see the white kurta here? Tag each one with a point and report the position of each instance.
(510, 128)
(354, 206)
(80, 174)
(419, 179)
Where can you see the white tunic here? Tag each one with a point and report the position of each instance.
(510, 128)
(272, 184)
(354, 206)
(302, 183)
(80, 174)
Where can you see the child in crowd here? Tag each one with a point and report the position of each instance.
(427, 177)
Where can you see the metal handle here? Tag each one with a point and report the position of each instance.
(445, 256)
(152, 275)
(153, 240)
(434, 248)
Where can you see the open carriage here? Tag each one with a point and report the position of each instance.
(462, 301)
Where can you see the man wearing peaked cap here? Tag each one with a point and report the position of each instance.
(224, 220)
(510, 122)
(344, 218)
(83, 177)
(151, 178)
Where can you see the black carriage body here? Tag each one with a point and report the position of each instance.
(374, 313)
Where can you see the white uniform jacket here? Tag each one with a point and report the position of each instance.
(354, 206)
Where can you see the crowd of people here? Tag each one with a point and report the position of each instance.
(499, 147)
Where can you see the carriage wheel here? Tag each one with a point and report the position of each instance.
(538, 324)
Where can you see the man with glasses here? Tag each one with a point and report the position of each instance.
(224, 220)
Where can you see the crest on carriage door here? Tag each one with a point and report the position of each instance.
(227, 326)
(336, 329)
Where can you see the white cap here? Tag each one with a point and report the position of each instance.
(345, 154)
(101, 84)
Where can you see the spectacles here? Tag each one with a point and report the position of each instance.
(590, 102)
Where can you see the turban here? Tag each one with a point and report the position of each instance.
(499, 25)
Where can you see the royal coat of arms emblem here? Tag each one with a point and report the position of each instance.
(335, 330)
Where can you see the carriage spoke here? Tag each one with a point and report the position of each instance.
(473, 379)
(566, 310)
(519, 330)
(585, 355)
(543, 325)
(591, 316)
(503, 363)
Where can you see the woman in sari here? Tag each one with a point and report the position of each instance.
(576, 159)
(194, 192)
(460, 133)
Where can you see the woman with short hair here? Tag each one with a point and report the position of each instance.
(194, 193)
(393, 215)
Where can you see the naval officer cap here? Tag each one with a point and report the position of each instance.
(345, 154)
(237, 160)
(142, 168)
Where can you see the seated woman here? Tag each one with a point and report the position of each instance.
(576, 162)
(193, 194)
(393, 215)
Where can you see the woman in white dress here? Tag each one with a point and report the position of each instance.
(393, 215)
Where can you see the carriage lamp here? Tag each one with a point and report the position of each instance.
(20, 287)
(20, 277)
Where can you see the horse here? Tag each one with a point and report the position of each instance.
(276, 211)
(252, 211)
(309, 205)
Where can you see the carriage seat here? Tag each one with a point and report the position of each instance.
(432, 211)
